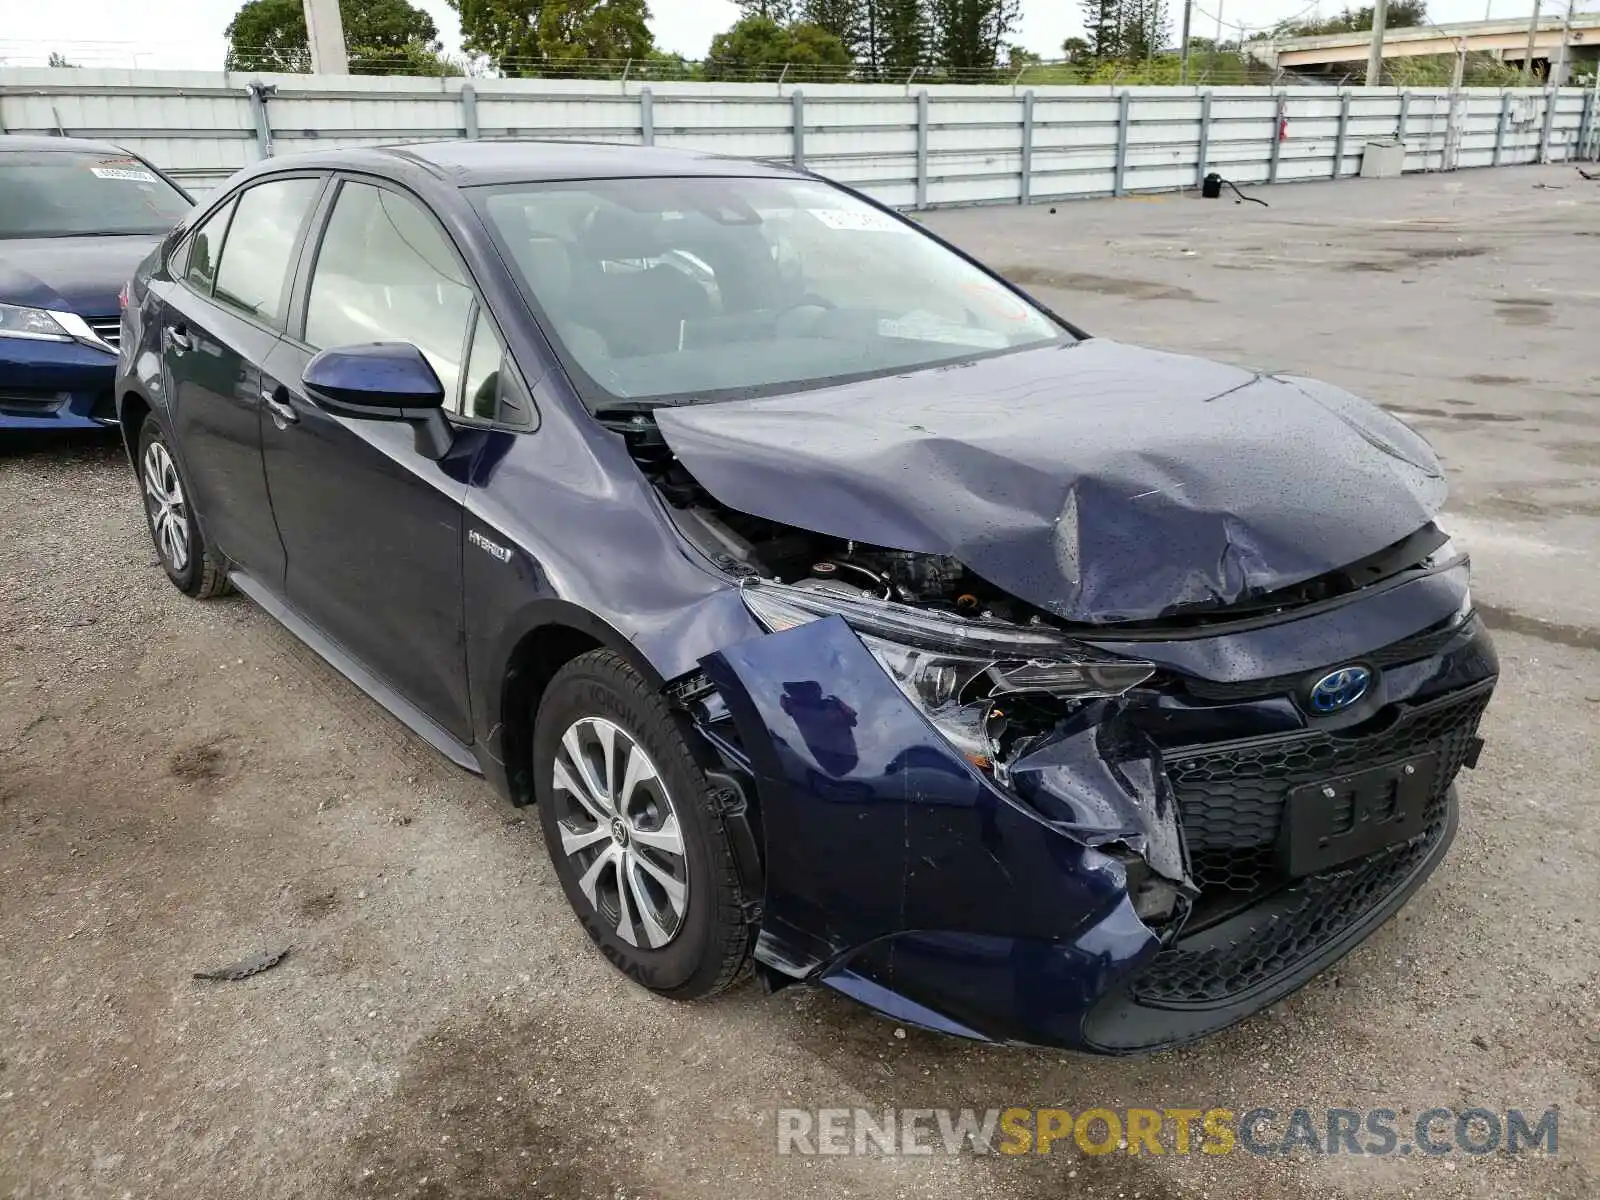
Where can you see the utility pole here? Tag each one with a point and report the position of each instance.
(1183, 55)
(1219, 23)
(1533, 32)
(325, 28)
(1558, 75)
(1380, 17)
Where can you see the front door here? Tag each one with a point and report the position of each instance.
(372, 529)
(219, 320)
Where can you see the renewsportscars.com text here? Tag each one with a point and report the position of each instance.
(1261, 1131)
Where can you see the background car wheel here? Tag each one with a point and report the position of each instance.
(628, 819)
(191, 565)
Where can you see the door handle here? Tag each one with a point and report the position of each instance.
(177, 338)
(277, 401)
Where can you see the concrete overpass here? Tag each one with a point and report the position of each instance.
(1506, 39)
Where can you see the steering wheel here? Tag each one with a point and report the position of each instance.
(808, 300)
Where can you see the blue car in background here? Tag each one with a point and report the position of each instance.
(76, 217)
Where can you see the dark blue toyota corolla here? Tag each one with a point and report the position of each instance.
(841, 608)
(76, 217)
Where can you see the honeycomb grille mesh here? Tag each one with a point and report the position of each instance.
(1231, 799)
(1308, 915)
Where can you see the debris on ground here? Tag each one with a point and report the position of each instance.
(245, 967)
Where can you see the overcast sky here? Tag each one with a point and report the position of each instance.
(187, 34)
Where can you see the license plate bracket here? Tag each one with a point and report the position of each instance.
(1351, 816)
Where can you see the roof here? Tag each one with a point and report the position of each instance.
(468, 163)
(19, 141)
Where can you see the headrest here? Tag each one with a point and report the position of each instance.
(617, 233)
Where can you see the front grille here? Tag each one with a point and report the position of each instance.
(1303, 918)
(1231, 797)
(1424, 644)
(107, 329)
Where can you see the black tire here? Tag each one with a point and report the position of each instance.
(710, 944)
(194, 567)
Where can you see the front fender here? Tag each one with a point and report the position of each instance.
(875, 828)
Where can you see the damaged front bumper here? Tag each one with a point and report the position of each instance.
(1163, 865)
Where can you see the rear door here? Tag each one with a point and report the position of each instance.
(371, 528)
(220, 321)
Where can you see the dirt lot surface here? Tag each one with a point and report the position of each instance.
(182, 784)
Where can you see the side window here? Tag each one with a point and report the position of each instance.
(256, 256)
(384, 272)
(481, 395)
(205, 244)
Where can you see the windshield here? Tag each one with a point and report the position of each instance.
(676, 290)
(70, 193)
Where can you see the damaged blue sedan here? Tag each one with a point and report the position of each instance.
(844, 611)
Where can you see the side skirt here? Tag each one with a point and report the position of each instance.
(408, 714)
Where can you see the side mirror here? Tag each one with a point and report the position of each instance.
(382, 381)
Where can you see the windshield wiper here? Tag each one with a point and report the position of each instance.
(86, 233)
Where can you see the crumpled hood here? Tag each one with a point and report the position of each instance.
(70, 274)
(1098, 481)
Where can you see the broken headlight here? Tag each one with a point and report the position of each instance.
(952, 668)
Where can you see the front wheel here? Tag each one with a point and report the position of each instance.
(193, 568)
(631, 828)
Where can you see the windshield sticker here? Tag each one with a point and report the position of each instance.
(866, 219)
(130, 173)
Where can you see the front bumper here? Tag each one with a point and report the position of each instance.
(55, 385)
(898, 874)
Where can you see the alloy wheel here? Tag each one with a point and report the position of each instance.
(169, 512)
(619, 827)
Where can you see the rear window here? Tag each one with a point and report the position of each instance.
(70, 193)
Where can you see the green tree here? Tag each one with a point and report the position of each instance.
(1074, 47)
(659, 64)
(1401, 13)
(779, 11)
(968, 34)
(845, 19)
(904, 36)
(58, 59)
(1144, 28)
(1102, 21)
(597, 29)
(380, 37)
(759, 47)
(1019, 58)
(501, 30)
(530, 37)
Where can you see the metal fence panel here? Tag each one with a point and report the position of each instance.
(961, 145)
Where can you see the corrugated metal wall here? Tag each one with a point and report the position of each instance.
(910, 148)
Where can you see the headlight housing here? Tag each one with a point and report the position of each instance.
(34, 324)
(950, 667)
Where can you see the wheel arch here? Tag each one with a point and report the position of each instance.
(554, 632)
(132, 411)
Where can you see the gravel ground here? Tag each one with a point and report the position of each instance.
(182, 784)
